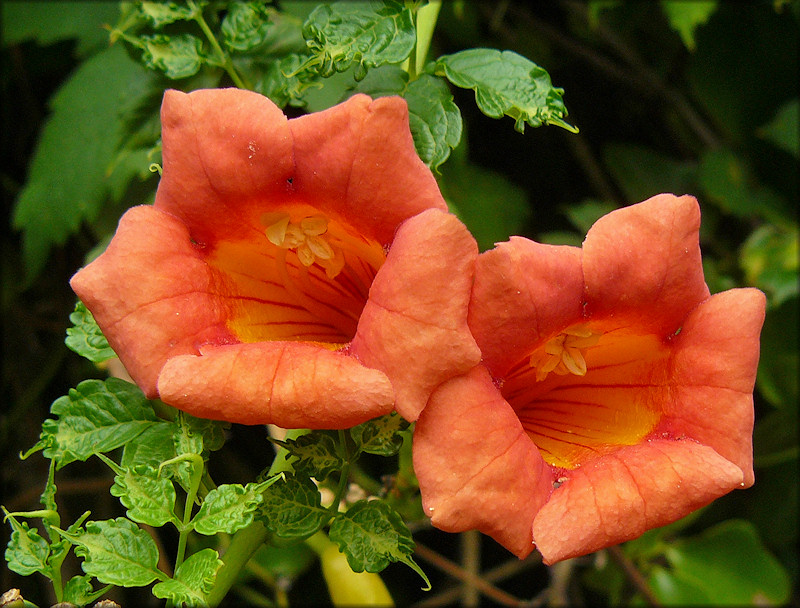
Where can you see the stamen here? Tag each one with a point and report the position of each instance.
(564, 354)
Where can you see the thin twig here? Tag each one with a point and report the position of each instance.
(494, 575)
(471, 559)
(633, 574)
(456, 571)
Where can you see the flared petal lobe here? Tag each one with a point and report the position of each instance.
(237, 295)
(631, 382)
(475, 464)
(414, 326)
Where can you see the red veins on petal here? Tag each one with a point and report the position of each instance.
(614, 363)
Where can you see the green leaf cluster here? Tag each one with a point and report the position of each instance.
(103, 135)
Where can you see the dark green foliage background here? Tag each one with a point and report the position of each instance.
(714, 115)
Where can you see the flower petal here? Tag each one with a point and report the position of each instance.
(227, 157)
(524, 292)
(714, 369)
(359, 161)
(153, 294)
(414, 325)
(619, 496)
(293, 385)
(642, 264)
(476, 467)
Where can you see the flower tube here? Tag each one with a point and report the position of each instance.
(614, 395)
(289, 271)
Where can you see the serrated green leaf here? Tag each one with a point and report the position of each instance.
(27, 551)
(686, 17)
(506, 83)
(731, 565)
(361, 33)
(95, 417)
(383, 81)
(85, 337)
(193, 579)
(229, 507)
(380, 436)
(79, 591)
(434, 119)
(68, 182)
(372, 534)
(313, 454)
(152, 447)
(176, 56)
(160, 14)
(769, 257)
(291, 508)
(245, 27)
(150, 499)
(117, 552)
(783, 128)
(285, 80)
(50, 22)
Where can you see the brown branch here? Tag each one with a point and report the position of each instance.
(633, 574)
(456, 571)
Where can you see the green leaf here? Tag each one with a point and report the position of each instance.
(176, 56)
(728, 182)
(117, 552)
(492, 207)
(641, 173)
(79, 591)
(434, 119)
(314, 454)
(284, 81)
(292, 509)
(193, 579)
(372, 534)
(506, 83)
(151, 447)
(685, 17)
(246, 26)
(676, 589)
(586, 213)
(50, 22)
(150, 499)
(230, 507)
(361, 33)
(769, 257)
(68, 179)
(85, 337)
(380, 436)
(27, 551)
(777, 367)
(160, 14)
(731, 565)
(783, 128)
(95, 417)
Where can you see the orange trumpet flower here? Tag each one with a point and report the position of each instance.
(614, 395)
(289, 270)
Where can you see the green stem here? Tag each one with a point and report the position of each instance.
(426, 18)
(227, 64)
(246, 541)
(243, 545)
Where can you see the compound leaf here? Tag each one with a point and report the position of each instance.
(192, 581)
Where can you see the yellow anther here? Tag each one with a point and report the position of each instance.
(307, 237)
(564, 354)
